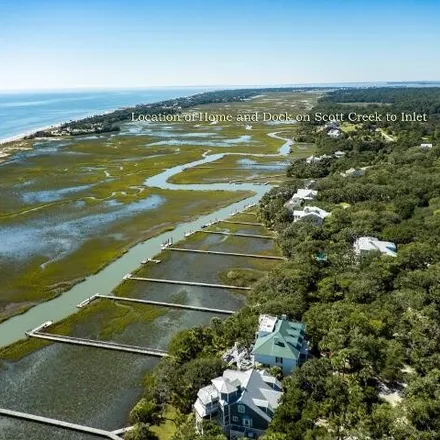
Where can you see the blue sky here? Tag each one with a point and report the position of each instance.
(48, 44)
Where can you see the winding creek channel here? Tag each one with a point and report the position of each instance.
(98, 387)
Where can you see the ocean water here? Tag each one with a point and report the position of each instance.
(25, 112)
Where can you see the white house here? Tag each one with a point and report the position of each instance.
(332, 125)
(334, 133)
(316, 159)
(426, 146)
(241, 402)
(280, 343)
(338, 154)
(370, 244)
(302, 195)
(312, 214)
(312, 159)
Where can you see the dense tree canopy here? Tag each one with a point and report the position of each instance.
(373, 321)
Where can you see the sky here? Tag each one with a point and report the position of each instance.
(63, 44)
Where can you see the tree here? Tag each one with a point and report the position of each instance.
(188, 344)
(145, 411)
(422, 404)
(190, 377)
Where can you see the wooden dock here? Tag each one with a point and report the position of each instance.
(186, 283)
(97, 344)
(165, 304)
(242, 223)
(232, 254)
(59, 424)
(238, 234)
(123, 430)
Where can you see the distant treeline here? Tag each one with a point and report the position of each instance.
(421, 100)
(170, 106)
(382, 100)
(110, 121)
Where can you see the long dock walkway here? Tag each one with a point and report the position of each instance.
(186, 283)
(97, 344)
(239, 234)
(165, 304)
(233, 254)
(123, 430)
(241, 223)
(59, 424)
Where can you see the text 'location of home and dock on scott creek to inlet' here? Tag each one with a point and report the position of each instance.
(279, 117)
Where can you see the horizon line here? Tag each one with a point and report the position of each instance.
(213, 86)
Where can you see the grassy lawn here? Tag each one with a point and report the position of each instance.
(347, 127)
(167, 429)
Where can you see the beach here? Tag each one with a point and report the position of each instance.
(22, 114)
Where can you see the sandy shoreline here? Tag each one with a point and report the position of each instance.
(21, 136)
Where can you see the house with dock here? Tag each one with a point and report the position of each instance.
(241, 402)
(364, 245)
(280, 343)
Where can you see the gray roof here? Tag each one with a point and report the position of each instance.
(255, 391)
(224, 385)
(207, 394)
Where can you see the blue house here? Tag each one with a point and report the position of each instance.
(241, 402)
(280, 343)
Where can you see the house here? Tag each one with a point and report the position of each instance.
(333, 125)
(353, 172)
(370, 244)
(316, 159)
(334, 133)
(338, 154)
(312, 159)
(280, 343)
(241, 402)
(312, 214)
(302, 195)
(426, 146)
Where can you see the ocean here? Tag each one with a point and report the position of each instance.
(22, 113)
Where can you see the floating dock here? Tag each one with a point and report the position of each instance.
(165, 304)
(238, 234)
(59, 424)
(185, 283)
(232, 254)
